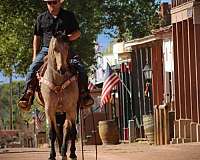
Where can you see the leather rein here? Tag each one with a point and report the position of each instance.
(56, 88)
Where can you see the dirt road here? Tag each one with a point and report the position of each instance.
(134, 151)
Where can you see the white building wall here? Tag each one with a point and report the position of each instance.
(168, 56)
(168, 69)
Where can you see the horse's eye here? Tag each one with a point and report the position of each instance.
(56, 49)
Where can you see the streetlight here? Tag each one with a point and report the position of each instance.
(34, 127)
(147, 72)
(148, 118)
(148, 76)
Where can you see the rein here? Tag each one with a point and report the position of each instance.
(56, 88)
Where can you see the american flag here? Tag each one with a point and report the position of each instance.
(111, 80)
(39, 118)
(91, 86)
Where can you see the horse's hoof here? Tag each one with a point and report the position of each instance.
(64, 157)
(73, 157)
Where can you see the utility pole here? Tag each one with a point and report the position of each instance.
(1, 123)
(34, 129)
(11, 103)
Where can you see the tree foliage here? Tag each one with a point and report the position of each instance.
(16, 28)
(17, 20)
(5, 104)
(89, 15)
(130, 18)
(127, 18)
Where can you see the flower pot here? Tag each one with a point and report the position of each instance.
(109, 132)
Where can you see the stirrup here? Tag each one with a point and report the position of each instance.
(24, 105)
(26, 101)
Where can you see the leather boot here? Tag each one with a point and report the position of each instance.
(27, 100)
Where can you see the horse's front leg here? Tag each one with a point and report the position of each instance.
(53, 131)
(52, 136)
(60, 119)
(66, 137)
(73, 134)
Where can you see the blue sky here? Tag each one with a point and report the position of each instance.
(4, 79)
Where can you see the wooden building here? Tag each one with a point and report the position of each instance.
(172, 95)
(186, 44)
(153, 96)
(172, 54)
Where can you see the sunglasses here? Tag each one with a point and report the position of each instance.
(52, 2)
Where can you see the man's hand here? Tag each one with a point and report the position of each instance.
(67, 38)
(74, 35)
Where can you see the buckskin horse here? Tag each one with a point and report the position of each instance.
(59, 89)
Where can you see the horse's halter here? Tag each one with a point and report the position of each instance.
(58, 51)
(60, 54)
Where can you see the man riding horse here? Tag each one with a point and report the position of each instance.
(55, 19)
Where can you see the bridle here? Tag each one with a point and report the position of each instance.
(56, 88)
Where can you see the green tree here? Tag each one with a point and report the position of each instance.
(130, 19)
(127, 18)
(4, 101)
(17, 20)
(89, 15)
(18, 118)
(16, 28)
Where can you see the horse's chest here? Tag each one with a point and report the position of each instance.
(60, 105)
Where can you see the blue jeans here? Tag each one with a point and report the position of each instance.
(38, 62)
(35, 66)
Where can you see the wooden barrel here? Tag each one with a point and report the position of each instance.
(108, 131)
(149, 127)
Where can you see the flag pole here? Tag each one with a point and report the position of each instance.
(125, 110)
(35, 134)
(129, 92)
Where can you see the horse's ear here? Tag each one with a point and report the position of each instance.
(61, 35)
(57, 34)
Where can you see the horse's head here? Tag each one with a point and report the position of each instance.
(58, 52)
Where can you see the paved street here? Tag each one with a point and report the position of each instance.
(135, 151)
